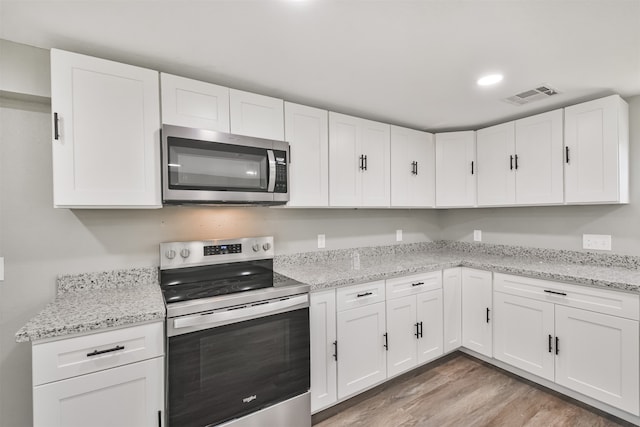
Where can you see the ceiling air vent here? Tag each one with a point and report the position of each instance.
(528, 96)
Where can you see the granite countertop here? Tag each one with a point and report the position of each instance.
(343, 268)
(95, 301)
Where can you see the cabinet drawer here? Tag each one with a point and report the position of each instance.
(70, 357)
(409, 285)
(360, 295)
(599, 300)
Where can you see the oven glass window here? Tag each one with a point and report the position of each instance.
(226, 372)
(198, 165)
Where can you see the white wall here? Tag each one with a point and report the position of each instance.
(559, 227)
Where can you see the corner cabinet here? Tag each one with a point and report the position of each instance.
(106, 133)
(452, 308)
(456, 169)
(477, 311)
(596, 138)
(307, 132)
(359, 165)
(413, 168)
(256, 115)
(107, 379)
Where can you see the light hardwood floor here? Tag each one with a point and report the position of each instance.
(464, 392)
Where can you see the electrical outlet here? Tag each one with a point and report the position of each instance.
(599, 242)
(477, 235)
(321, 241)
(399, 235)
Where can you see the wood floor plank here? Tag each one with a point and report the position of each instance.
(466, 392)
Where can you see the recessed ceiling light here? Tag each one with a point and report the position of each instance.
(490, 79)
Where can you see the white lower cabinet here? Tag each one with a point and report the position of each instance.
(322, 313)
(452, 308)
(477, 306)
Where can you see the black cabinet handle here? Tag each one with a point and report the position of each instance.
(511, 162)
(550, 344)
(361, 162)
(472, 168)
(365, 163)
(566, 154)
(386, 341)
(417, 334)
(488, 314)
(159, 418)
(421, 329)
(557, 347)
(335, 351)
(56, 132)
(109, 350)
(516, 156)
(364, 294)
(417, 284)
(555, 292)
(416, 168)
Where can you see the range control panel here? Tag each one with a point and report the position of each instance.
(208, 252)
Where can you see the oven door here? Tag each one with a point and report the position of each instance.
(225, 372)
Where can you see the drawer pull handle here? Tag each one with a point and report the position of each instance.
(364, 294)
(555, 292)
(417, 284)
(550, 344)
(109, 350)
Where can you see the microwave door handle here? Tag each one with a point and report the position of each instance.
(272, 171)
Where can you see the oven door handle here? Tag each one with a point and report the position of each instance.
(201, 321)
(272, 171)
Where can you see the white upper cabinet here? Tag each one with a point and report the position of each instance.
(520, 162)
(359, 166)
(307, 132)
(106, 133)
(596, 137)
(256, 115)
(456, 169)
(413, 172)
(191, 103)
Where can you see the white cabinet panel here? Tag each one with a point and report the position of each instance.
(524, 334)
(256, 115)
(376, 177)
(322, 313)
(414, 284)
(598, 356)
(456, 169)
(413, 179)
(130, 395)
(106, 147)
(477, 315)
(429, 309)
(307, 132)
(596, 138)
(452, 308)
(403, 334)
(496, 153)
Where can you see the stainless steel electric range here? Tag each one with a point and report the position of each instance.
(237, 336)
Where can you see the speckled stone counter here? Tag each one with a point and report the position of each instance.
(94, 301)
(330, 269)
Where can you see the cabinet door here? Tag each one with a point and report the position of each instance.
(598, 356)
(452, 307)
(524, 334)
(307, 132)
(345, 166)
(413, 176)
(429, 310)
(403, 332)
(456, 169)
(496, 147)
(596, 136)
(362, 358)
(376, 179)
(106, 147)
(322, 312)
(539, 178)
(191, 103)
(130, 395)
(477, 315)
(256, 115)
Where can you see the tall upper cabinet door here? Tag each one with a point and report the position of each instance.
(596, 137)
(413, 172)
(256, 115)
(190, 103)
(106, 129)
(456, 169)
(496, 153)
(345, 162)
(307, 132)
(376, 179)
(539, 177)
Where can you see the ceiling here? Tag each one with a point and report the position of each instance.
(411, 63)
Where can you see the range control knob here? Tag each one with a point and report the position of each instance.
(255, 247)
(170, 254)
(266, 246)
(185, 253)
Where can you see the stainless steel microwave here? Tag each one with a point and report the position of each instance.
(207, 167)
